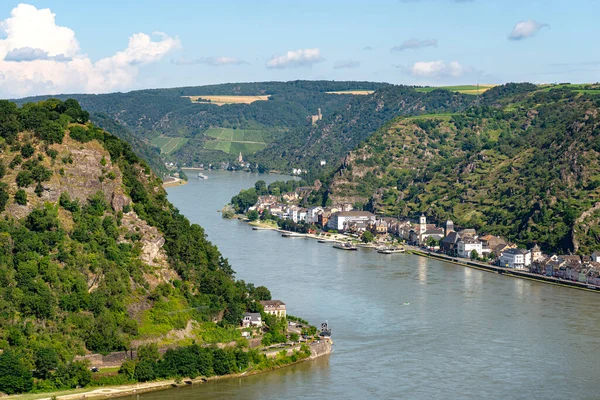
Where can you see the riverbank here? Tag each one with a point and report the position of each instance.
(515, 273)
(173, 182)
(317, 349)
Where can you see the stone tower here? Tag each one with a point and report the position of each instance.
(240, 158)
(449, 227)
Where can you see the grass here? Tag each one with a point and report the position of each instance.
(464, 89)
(168, 144)
(235, 141)
(222, 100)
(579, 88)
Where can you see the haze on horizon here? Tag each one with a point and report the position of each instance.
(50, 47)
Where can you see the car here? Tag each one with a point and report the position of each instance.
(95, 369)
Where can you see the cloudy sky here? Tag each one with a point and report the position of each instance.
(62, 46)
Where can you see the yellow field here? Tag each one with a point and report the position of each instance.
(222, 100)
(482, 88)
(355, 92)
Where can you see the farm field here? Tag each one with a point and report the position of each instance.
(223, 100)
(464, 89)
(354, 92)
(168, 144)
(235, 141)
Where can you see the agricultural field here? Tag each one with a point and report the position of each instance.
(579, 88)
(354, 92)
(464, 89)
(235, 141)
(223, 100)
(168, 144)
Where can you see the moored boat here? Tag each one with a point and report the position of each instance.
(345, 246)
(391, 250)
(202, 176)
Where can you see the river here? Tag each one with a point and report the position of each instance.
(465, 334)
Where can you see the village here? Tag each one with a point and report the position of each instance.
(345, 222)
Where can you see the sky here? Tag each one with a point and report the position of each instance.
(68, 46)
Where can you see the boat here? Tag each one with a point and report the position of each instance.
(261, 228)
(202, 176)
(324, 240)
(391, 250)
(345, 246)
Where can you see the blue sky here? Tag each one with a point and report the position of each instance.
(433, 42)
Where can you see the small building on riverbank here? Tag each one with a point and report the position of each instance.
(274, 307)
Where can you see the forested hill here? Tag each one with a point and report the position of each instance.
(352, 123)
(93, 257)
(156, 116)
(523, 164)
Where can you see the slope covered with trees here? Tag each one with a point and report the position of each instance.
(93, 257)
(147, 114)
(523, 164)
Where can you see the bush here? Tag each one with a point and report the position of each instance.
(21, 197)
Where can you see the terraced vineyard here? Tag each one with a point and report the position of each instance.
(168, 144)
(235, 141)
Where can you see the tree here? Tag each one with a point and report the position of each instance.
(15, 376)
(474, 254)
(21, 197)
(367, 237)
(252, 215)
(261, 188)
(432, 242)
(262, 293)
(144, 371)
(46, 360)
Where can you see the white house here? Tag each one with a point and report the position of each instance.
(466, 246)
(596, 256)
(251, 319)
(312, 214)
(346, 218)
(515, 258)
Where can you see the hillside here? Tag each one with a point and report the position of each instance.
(93, 257)
(352, 123)
(523, 164)
(179, 129)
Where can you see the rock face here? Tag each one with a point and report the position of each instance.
(79, 170)
(153, 253)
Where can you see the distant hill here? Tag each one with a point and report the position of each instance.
(521, 163)
(177, 128)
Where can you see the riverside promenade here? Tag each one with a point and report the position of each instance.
(515, 273)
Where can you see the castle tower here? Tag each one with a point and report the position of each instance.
(320, 116)
(449, 227)
(422, 224)
(240, 158)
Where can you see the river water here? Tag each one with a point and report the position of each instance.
(465, 334)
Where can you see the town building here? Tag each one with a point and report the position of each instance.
(515, 258)
(274, 307)
(466, 246)
(346, 218)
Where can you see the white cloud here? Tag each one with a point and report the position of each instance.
(413, 44)
(437, 69)
(39, 57)
(346, 64)
(212, 61)
(296, 58)
(526, 29)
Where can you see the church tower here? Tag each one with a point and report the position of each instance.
(240, 158)
(422, 224)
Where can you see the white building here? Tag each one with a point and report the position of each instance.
(312, 214)
(596, 256)
(346, 218)
(251, 319)
(515, 258)
(466, 246)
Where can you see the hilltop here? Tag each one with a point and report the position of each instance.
(95, 259)
(521, 163)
